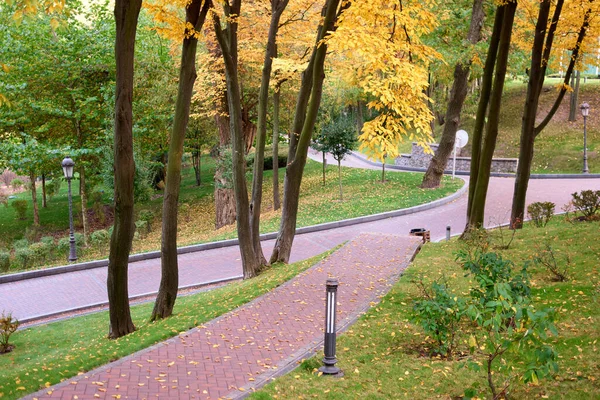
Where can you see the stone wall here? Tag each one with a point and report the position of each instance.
(419, 159)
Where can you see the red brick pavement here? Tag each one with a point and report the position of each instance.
(229, 356)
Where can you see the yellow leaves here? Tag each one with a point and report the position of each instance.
(54, 23)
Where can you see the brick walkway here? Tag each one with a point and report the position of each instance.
(231, 355)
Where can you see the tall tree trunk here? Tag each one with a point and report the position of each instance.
(360, 118)
(224, 197)
(458, 93)
(44, 200)
(196, 161)
(36, 210)
(383, 171)
(228, 42)
(84, 199)
(478, 207)
(276, 105)
(126, 17)
(277, 7)
(324, 164)
(169, 283)
(529, 131)
(300, 136)
(573, 98)
(484, 98)
(340, 178)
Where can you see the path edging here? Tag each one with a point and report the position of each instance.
(20, 276)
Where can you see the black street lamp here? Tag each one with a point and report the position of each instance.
(585, 111)
(67, 165)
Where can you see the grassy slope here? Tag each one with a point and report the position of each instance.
(57, 351)
(363, 195)
(380, 354)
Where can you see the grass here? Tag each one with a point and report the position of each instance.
(363, 195)
(382, 355)
(48, 354)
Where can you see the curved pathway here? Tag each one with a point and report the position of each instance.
(34, 298)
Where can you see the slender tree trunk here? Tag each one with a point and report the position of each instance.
(478, 207)
(340, 178)
(84, 199)
(360, 119)
(224, 196)
(276, 105)
(529, 131)
(36, 210)
(383, 171)
(304, 122)
(458, 94)
(169, 283)
(573, 100)
(324, 163)
(484, 98)
(126, 17)
(44, 200)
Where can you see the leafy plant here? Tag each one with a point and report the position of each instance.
(8, 326)
(4, 261)
(40, 252)
(146, 216)
(541, 212)
(16, 184)
(141, 227)
(24, 256)
(99, 237)
(4, 200)
(20, 207)
(587, 202)
(20, 243)
(98, 206)
(506, 322)
(547, 258)
(439, 313)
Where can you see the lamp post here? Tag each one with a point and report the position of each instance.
(67, 166)
(585, 111)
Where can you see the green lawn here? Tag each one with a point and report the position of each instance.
(50, 353)
(363, 195)
(384, 355)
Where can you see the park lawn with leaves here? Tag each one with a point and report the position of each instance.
(384, 355)
(47, 354)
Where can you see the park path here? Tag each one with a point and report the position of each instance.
(230, 356)
(48, 295)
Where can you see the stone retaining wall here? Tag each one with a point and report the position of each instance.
(419, 159)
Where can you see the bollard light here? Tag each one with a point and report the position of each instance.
(448, 232)
(329, 360)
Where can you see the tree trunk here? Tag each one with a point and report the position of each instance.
(224, 197)
(126, 17)
(478, 207)
(196, 157)
(84, 199)
(44, 200)
(276, 105)
(383, 171)
(573, 98)
(484, 97)
(458, 93)
(340, 178)
(360, 119)
(169, 283)
(529, 131)
(277, 7)
(36, 210)
(324, 166)
(304, 122)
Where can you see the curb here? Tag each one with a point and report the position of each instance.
(234, 242)
(465, 173)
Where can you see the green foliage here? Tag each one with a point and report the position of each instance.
(541, 212)
(63, 245)
(268, 162)
(20, 243)
(439, 313)
(339, 137)
(224, 168)
(98, 206)
(99, 237)
(8, 326)
(4, 199)
(40, 252)
(16, 183)
(141, 227)
(20, 207)
(54, 187)
(32, 233)
(49, 240)
(145, 218)
(24, 256)
(587, 202)
(4, 261)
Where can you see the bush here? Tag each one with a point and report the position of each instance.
(548, 258)
(4, 200)
(8, 326)
(141, 228)
(587, 202)
(268, 162)
(49, 240)
(100, 237)
(21, 243)
(63, 245)
(541, 213)
(24, 256)
(32, 233)
(146, 216)
(7, 177)
(40, 252)
(98, 207)
(54, 187)
(16, 184)
(20, 207)
(4, 261)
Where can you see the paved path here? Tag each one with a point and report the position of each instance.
(46, 295)
(229, 356)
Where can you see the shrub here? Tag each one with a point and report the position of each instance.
(587, 202)
(7, 177)
(98, 207)
(20, 207)
(79, 239)
(24, 256)
(40, 252)
(49, 240)
(4, 261)
(16, 184)
(8, 326)
(141, 228)
(100, 237)
(21, 243)
(63, 245)
(32, 233)
(547, 258)
(439, 313)
(146, 216)
(4, 200)
(541, 212)
(54, 187)
(268, 162)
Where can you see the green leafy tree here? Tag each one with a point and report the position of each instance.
(339, 139)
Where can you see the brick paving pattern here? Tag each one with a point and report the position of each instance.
(228, 356)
